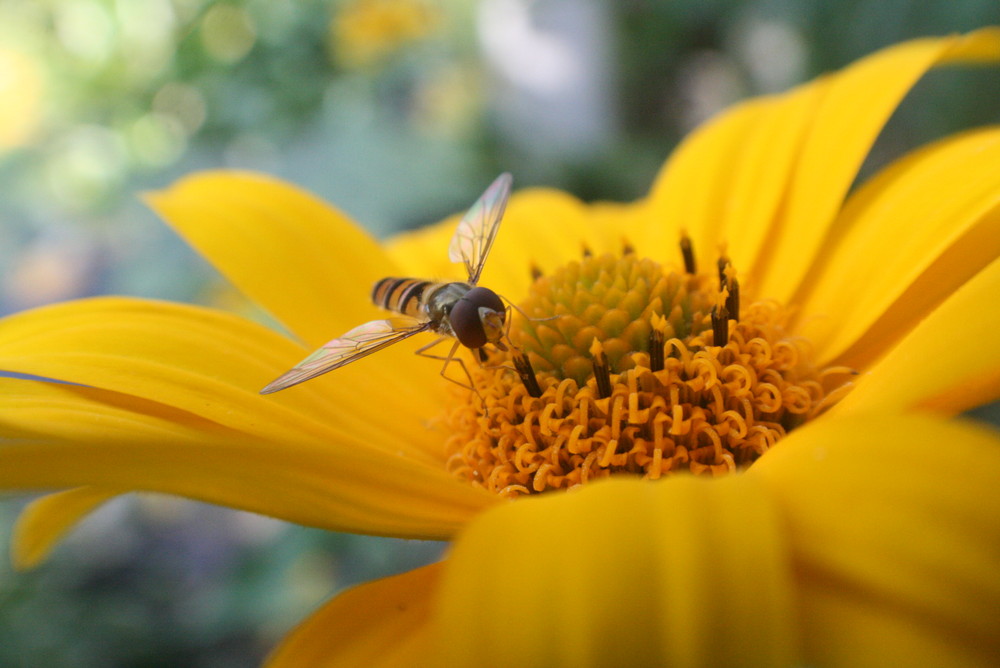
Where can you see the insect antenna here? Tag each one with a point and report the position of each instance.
(512, 305)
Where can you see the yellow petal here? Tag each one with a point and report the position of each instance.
(855, 104)
(540, 227)
(299, 258)
(767, 177)
(58, 436)
(611, 226)
(44, 522)
(378, 624)
(949, 362)
(623, 573)
(212, 364)
(892, 545)
(911, 236)
(725, 183)
(894, 527)
(423, 252)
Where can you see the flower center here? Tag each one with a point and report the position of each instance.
(622, 366)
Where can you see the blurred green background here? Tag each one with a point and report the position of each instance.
(397, 111)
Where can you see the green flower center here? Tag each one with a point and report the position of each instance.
(622, 366)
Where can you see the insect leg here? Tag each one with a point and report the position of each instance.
(448, 359)
(422, 350)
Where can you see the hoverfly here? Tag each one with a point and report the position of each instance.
(472, 315)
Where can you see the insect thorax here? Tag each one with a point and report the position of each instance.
(439, 299)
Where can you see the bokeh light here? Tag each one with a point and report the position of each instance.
(21, 87)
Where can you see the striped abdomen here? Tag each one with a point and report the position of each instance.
(403, 295)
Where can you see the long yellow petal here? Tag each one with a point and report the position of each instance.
(894, 527)
(623, 573)
(58, 436)
(841, 547)
(298, 257)
(767, 177)
(212, 364)
(725, 184)
(912, 236)
(44, 522)
(841, 132)
(378, 624)
(950, 362)
(687, 195)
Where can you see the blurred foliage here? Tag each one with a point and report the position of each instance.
(152, 581)
(398, 111)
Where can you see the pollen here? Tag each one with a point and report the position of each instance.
(621, 366)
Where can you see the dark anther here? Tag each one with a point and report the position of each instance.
(722, 263)
(687, 251)
(483, 355)
(602, 370)
(536, 272)
(657, 339)
(627, 248)
(587, 252)
(720, 326)
(733, 300)
(527, 374)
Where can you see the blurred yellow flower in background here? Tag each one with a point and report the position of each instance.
(869, 534)
(363, 32)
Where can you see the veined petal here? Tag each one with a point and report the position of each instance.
(897, 563)
(302, 260)
(212, 364)
(540, 227)
(44, 522)
(894, 527)
(726, 182)
(949, 362)
(623, 573)
(912, 235)
(59, 436)
(840, 135)
(767, 177)
(379, 624)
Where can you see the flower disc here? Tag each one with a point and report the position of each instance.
(620, 365)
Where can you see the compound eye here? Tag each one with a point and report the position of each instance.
(466, 321)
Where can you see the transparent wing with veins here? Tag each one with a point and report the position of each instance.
(477, 230)
(355, 344)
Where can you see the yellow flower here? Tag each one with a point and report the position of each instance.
(870, 534)
(366, 31)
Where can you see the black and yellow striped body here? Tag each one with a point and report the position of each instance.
(472, 314)
(421, 299)
(402, 295)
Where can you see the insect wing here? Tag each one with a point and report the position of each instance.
(475, 233)
(355, 344)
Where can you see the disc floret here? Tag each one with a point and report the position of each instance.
(630, 378)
